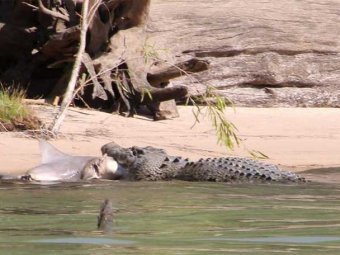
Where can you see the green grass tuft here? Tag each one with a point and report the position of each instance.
(11, 106)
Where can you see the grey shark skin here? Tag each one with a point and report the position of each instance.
(57, 166)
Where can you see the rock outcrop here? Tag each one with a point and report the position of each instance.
(262, 53)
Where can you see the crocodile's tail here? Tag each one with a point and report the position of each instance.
(234, 169)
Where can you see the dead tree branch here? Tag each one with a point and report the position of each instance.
(68, 97)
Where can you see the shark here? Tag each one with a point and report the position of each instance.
(57, 166)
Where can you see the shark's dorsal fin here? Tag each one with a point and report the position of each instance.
(49, 153)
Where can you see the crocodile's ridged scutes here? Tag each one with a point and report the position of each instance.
(149, 163)
(231, 169)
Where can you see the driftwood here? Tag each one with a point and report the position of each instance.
(187, 67)
(38, 50)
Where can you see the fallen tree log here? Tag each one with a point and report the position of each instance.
(62, 44)
(190, 66)
(46, 39)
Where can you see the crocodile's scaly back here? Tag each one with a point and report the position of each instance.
(234, 169)
(149, 163)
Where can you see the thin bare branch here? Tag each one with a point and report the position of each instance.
(54, 14)
(68, 97)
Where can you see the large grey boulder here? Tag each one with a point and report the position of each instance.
(262, 53)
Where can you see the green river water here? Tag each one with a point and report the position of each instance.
(170, 218)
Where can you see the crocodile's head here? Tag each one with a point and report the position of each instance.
(124, 156)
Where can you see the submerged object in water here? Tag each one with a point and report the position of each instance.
(105, 217)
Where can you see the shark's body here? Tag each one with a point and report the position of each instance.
(58, 166)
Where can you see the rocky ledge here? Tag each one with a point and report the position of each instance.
(262, 53)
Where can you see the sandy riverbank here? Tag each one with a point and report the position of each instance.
(296, 138)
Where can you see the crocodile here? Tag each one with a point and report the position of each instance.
(152, 164)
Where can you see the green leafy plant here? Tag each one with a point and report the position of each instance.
(214, 106)
(149, 52)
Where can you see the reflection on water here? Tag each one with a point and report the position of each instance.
(170, 218)
(286, 239)
(84, 240)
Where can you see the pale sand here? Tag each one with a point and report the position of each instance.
(295, 138)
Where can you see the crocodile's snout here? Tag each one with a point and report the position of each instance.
(122, 155)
